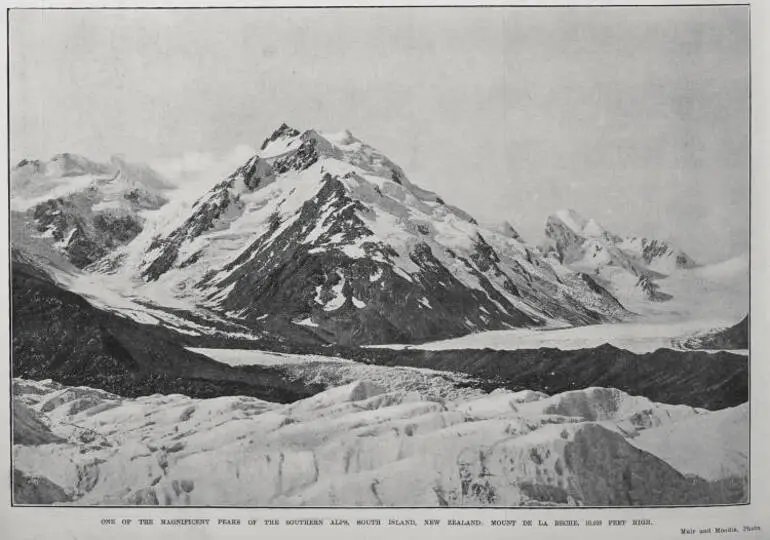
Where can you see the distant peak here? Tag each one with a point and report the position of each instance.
(285, 128)
(571, 219)
(592, 228)
(341, 138)
(24, 162)
(283, 131)
(579, 224)
(70, 157)
(73, 164)
(503, 227)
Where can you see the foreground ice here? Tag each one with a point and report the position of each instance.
(360, 445)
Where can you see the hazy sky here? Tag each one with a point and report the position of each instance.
(638, 117)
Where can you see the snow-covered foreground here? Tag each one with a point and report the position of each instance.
(640, 338)
(361, 445)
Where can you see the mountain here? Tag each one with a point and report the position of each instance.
(630, 267)
(320, 238)
(324, 235)
(78, 210)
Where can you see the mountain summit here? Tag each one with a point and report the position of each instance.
(79, 210)
(320, 233)
(628, 266)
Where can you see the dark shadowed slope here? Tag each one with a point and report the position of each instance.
(698, 379)
(58, 335)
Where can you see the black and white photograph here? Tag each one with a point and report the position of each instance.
(363, 257)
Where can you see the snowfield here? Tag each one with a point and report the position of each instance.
(725, 432)
(362, 445)
(640, 338)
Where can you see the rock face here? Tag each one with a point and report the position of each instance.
(628, 267)
(358, 445)
(324, 232)
(84, 210)
(36, 490)
(28, 429)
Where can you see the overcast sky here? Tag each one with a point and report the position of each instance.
(638, 117)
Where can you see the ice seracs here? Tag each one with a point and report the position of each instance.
(360, 444)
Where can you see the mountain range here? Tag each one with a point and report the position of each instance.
(149, 330)
(320, 235)
(84, 209)
(628, 266)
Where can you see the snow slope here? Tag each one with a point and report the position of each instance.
(724, 433)
(358, 445)
(719, 290)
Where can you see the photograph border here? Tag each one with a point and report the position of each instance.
(299, 7)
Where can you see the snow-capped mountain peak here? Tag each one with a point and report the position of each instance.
(341, 138)
(67, 164)
(33, 179)
(322, 236)
(628, 266)
(581, 226)
(283, 133)
(503, 227)
(571, 219)
(320, 230)
(81, 210)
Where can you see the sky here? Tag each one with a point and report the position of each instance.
(637, 117)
